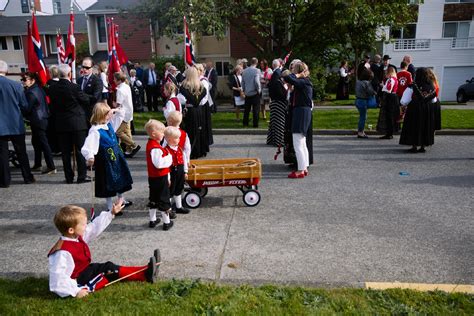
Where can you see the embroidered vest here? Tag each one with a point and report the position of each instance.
(154, 172)
(177, 155)
(79, 251)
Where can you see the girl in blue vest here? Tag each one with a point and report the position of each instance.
(101, 148)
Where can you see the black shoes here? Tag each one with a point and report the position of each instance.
(168, 226)
(30, 180)
(151, 272)
(84, 180)
(183, 210)
(412, 150)
(48, 170)
(172, 214)
(127, 203)
(386, 137)
(152, 224)
(36, 168)
(421, 150)
(133, 152)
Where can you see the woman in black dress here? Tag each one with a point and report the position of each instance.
(192, 95)
(419, 124)
(343, 84)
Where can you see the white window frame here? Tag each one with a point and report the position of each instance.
(21, 43)
(457, 27)
(97, 29)
(6, 43)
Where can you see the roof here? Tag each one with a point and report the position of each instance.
(16, 25)
(112, 5)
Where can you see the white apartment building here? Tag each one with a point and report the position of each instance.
(442, 39)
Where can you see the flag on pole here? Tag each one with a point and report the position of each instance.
(114, 64)
(287, 57)
(60, 48)
(122, 57)
(35, 52)
(70, 54)
(188, 46)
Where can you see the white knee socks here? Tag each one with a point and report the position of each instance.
(152, 214)
(166, 217)
(177, 201)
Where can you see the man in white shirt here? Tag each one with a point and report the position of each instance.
(124, 100)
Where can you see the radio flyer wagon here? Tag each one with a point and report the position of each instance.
(242, 173)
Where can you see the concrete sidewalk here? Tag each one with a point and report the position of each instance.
(354, 219)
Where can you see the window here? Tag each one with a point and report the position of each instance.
(57, 7)
(456, 29)
(222, 68)
(25, 7)
(406, 32)
(460, 1)
(17, 43)
(101, 30)
(3, 43)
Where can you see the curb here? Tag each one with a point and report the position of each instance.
(334, 132)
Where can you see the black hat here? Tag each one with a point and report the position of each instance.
(367, 56)
(386, 57)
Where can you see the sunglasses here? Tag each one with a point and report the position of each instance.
(86, 67)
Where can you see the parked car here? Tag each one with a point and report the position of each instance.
(465, 91)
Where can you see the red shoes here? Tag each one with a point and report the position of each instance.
(293, 175)
(305, 173)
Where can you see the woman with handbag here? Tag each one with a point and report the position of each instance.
(365, 98)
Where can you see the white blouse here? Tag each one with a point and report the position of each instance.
(407, 96)
(61, 263)
(342, 72)
(91, 144)
(169, 107)
(105, 83)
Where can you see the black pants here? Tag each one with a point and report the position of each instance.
(152, 98)
(254, 103)
(213, 96)
(177, 180)
(40, 144)
(159, 193)
(109, 269)
(19, 145)
(68, 141)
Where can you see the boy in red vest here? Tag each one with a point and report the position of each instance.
(179, 168)
(158, 162)
(71, 272)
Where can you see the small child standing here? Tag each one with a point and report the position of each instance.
(173, 102)
(158, 162)
(71, 272)
(179, 167)
(112, 175)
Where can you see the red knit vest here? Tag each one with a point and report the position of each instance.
(177, 155)
(154, 172)
(176, 103)
(80, 253)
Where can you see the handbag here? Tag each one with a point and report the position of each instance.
(372, 102)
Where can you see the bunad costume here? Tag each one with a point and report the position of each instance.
(207, 119)
(158, 162)
(112, 175)
(390, 110)
(71, 270)
(172, 105)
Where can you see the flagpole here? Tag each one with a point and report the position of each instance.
(58, 32)
(73, 64)
(184, 36)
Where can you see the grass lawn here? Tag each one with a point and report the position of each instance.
(325, 119)
(31, 297)
(331, 100)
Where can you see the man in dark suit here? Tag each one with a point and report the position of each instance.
(91, 85)
(211, 75)
(139, 69)
(68, 104)
(13, 104)
(386, 63)
(151, 83)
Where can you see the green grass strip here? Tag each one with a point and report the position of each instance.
(188, 297)
(324, 119)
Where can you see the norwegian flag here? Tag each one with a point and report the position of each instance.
(60, 48)
(35, 52)
(114, 64)
(287, 57)
(70, 55)
(188, 46)
(122, 57)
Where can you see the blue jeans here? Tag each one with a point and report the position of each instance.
(361, 105)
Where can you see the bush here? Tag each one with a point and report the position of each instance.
(160, 62)
(82, 50)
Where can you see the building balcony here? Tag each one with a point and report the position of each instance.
(411, 44)
(462, 43)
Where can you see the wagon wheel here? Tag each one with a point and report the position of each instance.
(202, 191)
(192, 199)
(251, 198)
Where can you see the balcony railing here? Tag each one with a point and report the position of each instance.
(412, 44)
(462, 43)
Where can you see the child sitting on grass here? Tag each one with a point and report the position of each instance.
(158, 162)
(179, 167)
(71, 272)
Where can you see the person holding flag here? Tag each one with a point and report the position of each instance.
(35, 52)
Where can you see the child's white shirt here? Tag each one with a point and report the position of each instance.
(91, 144)
(61, 263)
(169, 107)
(158, 160)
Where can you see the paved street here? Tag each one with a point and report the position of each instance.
(354, 219)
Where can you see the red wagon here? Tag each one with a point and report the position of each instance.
(242, 173)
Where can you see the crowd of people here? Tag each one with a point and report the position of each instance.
(408, 99)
